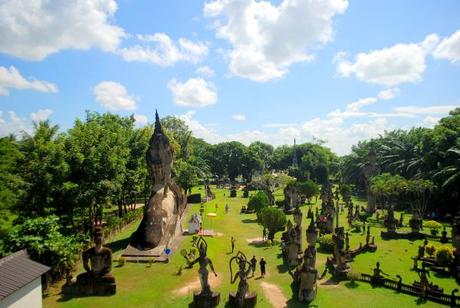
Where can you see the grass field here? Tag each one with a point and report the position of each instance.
(158, 285)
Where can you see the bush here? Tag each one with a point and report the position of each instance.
(357, 225)
(430, 250)
(444, 255)
(433, 225)
(195, 198)
(326, 243)
(273, 219)
(121, 261)
(45, 243)
(363, 216)
(258, 202)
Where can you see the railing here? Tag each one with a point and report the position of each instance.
(433, 295)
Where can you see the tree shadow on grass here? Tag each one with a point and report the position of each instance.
(249, 221)
(351, 285)
(292, 303)
(118, 245)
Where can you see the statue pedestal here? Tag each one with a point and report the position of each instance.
(250, 300)
(206, 300)
(92, 288)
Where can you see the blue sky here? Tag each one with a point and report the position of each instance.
(340, 71)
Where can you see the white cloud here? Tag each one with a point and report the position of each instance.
(205, 71)
(388, 93)
(449, 48)
(33, 30)
(114, 96)
(356, 106)
(140, 120)
(267, 39)
(161, 50)
(425, 110)
(11, 78)
(390, 66)
(195, 92)
(41, 115)
(239, 117)
(430, 121)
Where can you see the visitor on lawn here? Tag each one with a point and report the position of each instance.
(262, 263)
(233, 243)
(253, 265)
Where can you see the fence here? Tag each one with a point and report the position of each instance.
(415, 290)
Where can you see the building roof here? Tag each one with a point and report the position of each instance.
(17, 270)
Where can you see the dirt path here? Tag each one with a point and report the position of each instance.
(195, 285)
(274, 294)
(255, 240)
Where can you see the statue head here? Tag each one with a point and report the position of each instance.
(98, 236)
(159, 154)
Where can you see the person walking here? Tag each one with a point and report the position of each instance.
(264, 234)
(262, 264)
(227, 207)
(253, 265)
(233, 243)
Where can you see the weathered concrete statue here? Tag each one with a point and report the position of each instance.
(97, 262)
(308, 275)
(369, 170)
(163, 213)
(242, 297)
(294, 245)
(204, 298)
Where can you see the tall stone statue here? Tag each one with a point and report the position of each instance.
(204, 298)
(163, 213)
(97, 262)
(369, 170)
(242, 297)
(293, 239)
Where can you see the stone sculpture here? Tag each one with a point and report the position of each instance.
(97, 261)
(205, 297)
(370, 169)
(242, 297)
(163, 213)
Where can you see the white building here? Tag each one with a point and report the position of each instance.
(20, 281)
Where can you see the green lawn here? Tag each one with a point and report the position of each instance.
(157, 285)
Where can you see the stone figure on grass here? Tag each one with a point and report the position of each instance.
(242, 297)
(204, 298)
(97, 262)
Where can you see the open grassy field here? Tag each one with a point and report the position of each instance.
(158, 285)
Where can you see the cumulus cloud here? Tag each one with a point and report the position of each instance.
(239, 117)
(114, 96)
(205, 71)
(195, 92)
(33, 30)
(426, 109)
(11, 78)
(388, 93)
(140, 120)
(430, 121)
(161, 50)
(267, 39)
(390, 66)
(17, 125)
(449, 48)
(41, 115)
(355, 106)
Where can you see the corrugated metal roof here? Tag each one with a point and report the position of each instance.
(17, 270)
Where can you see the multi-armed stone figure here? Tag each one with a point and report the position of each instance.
(204, 298)
(242, 297)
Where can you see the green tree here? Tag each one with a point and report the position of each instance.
(11, 184)
(45, 172)
(273, 219)
(45, 243)
(258, 201)
(309, 189)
